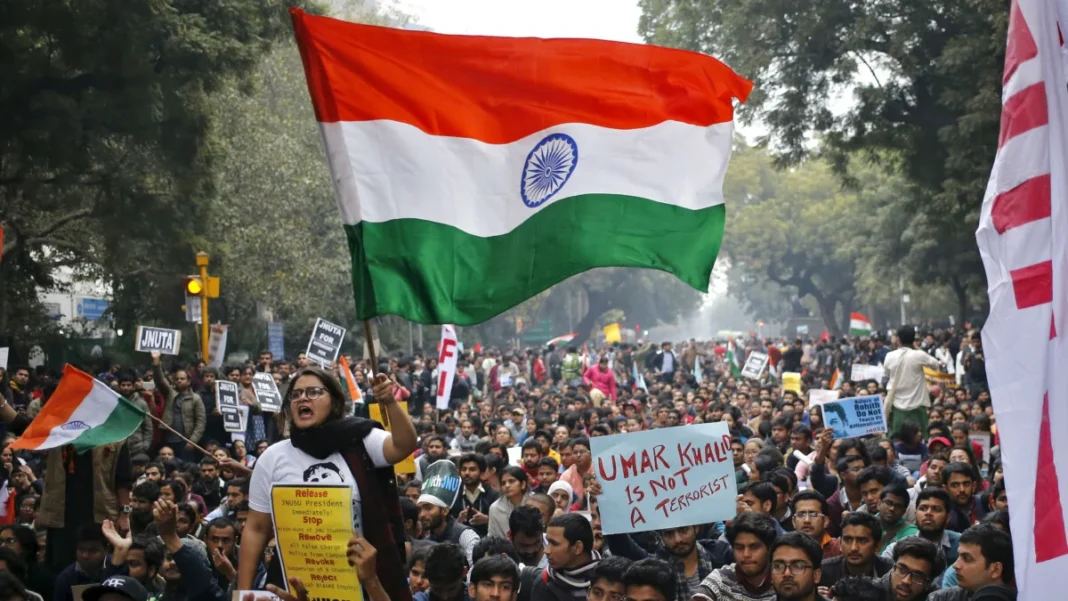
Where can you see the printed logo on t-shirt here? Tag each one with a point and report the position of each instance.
(324, 473)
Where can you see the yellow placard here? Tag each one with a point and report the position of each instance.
(408, 465)
(933, 376)
(612, 334)
(313, 525)
(791, 380)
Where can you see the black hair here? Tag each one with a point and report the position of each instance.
(803, 430)
(495, 565)
(221, 524)
(996, 546)
(936, 424)
(550, 463)
(878, 453)
(858, 588)
(782, 422)
(577, 529)
(15, 564)
(445, 563)
(906, 335)
(797, 540)
(516, 472)
(339, 405)
(530, 443)
(90, 533)
(582, 440)
(155, 464)
(897, 489)
(865, 520)
(810, 495)
(152, 549)
(11, 587)
(880, 473)
(177, 487)
(849, 444)
(526, 520)
(998, 518)
(757, 524)
(761, 490)
(932, 492)
(907, 431)
(998, 488)
(418, 556)
(494, 545)
(241, 484)
(147, 490)
(765, 464)
(475, 458)
(920, 548)
(957, 467)
(434, 438)
(652, 572)
(778, 478)
(414, 483)
(494, 462)
(27, 539)
(611, 569)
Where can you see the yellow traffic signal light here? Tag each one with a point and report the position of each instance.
(194, 286)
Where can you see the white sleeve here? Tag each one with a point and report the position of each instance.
(468, 540)
(375, 444)
(259, 488)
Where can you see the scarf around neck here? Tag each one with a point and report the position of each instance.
(576, 579)
(332, 436)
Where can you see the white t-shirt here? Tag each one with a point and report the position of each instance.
(282, 463)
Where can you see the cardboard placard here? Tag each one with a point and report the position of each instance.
(855, 416)
(791, 381)
(313, 525)
(227, 396)
(375, 411)
(325, 342)
(160, 340)
(860, 372)
(754, 365)
(217, 345)
(654, 480)
(267, 392)
(819, 396)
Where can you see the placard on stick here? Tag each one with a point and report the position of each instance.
(754, 365)
(325, 343)
(658, 479)
(313, 525)
(267, 392)
(159, 340)
(855, 416)
(227, 396)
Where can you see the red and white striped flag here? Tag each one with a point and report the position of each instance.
(1023, 239)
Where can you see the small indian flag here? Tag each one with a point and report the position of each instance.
(475, 172)
(859, 325)
(732, 358)
(83, 412)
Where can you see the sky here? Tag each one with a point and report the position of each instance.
(602, 19)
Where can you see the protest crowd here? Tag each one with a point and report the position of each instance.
(917, 512)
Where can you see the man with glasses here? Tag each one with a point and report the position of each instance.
(893, 502)
(795, 561)
(810, 519)
(607, 581)
(861, 533)
(915, 565)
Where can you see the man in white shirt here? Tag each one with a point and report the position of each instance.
(907, 385)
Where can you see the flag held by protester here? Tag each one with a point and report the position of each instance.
(83, 412)
(474, 172)
(859, 325)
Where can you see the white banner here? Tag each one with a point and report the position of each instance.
(860, 372)
(818, 396)
(446, 365)
(217, 345)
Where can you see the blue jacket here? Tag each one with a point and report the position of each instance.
(71, 576)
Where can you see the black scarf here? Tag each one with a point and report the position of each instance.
(331, 437)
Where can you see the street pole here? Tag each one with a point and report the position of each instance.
(202, 263)
(901, 295)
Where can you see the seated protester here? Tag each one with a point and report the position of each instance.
(606, 584)
(932, 475)
(543, 502)
(932, 516)
(572, 559)
(650, 580)
(88, 568)
(751, 536)
(998, 519)
(13, 590)
(960, 480)
(417, 581)
(810, 518)
(689, 558)
(916, 567)
(472, 505)
(859, 588)
(909, 448)
(893, 503)
(435, 503)
(209, 485)
(446, 571)
(871, 481)
(494, 578)
(24, 541)
(781, 480)
(795, 567)
(882, 454)
(765, 462)
(800, 446)
(185, 567)
(852, 459)
(116, 588)
(780, 433)
(861, 533)
(526, 529)
(141, 499)
(11, 563)
(531, 457)
(236, 492)
(221, 540)
(413, 528)
(985, 560)
(561, 494)
(548, 474)
(138, 557)
(761, 498)
(998, 499)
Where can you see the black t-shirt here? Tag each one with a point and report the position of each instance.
(791, 359)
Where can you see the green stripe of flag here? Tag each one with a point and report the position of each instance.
(120, 424)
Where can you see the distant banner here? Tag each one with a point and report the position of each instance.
(216, 345)
(940, 378)
(267, 392)
(754, 365)
(325, 343)
(860, 372)
(612, 333)
(276, 341)
(227, 396)
(313, 525)
(446, 366)
(650, 484)
(817, 396)
(855, 416)
(158, 340)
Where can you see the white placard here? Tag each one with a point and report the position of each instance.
(860, 372)
(160, 340)
(267, 392)
(325, 343)
(217, 345)
(754, 365)
(227, 397)
(819, 396)
(446, 366)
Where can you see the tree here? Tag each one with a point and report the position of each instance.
(104, 119)
(926, 80)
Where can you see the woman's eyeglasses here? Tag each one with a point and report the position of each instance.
(311, 392)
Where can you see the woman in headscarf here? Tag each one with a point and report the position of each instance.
(563, 495)
(327, 447)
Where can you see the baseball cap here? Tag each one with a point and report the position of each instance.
(123, 585)
(941, 439)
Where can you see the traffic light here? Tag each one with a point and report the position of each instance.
(194, 286)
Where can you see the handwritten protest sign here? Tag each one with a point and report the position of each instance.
(856, 416)
(267, 392)
(665, 478)
(754, 365)
(862, 373)
(313, 525)
(325, 342)
(226, 392)
(791, 380)
(408, 465)
(161, 340)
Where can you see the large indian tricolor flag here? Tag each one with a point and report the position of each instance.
(859, 325)
(83, 412)
(474, 172)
